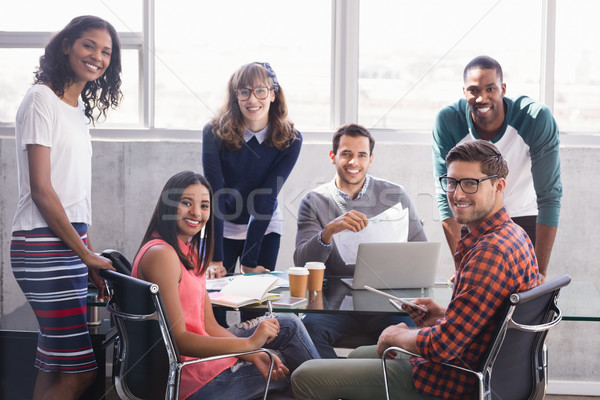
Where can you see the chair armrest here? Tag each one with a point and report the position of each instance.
(261, 350)
(384, 357)
(399, 349)
(541, 327)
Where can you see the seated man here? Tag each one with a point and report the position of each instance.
(495, 259)
(340, 207)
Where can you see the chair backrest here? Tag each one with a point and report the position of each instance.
(515, 361)
(147, 349)
(120, 263)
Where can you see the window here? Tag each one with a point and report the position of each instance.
(577, 85)
(196, 57)
(404, 64)
(27, 31)
(412, 55)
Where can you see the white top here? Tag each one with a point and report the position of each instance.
(46, 120)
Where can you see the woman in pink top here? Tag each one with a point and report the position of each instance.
(174, 254)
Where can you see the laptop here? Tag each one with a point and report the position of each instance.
(400, 265)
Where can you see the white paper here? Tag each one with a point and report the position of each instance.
(389, 226)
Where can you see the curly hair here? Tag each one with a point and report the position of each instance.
(228, 124)
(163, 223)
(55, 70)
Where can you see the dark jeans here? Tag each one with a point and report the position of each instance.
(326, 329)
(267, 257)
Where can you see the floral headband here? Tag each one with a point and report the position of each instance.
(271, 73)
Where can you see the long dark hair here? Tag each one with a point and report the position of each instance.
(163, 224)
(228, 124)
(55, 70)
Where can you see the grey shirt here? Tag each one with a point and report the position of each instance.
(325, 203)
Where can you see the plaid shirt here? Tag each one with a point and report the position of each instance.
(494, 261)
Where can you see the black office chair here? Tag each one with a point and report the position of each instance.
(119, 262)
(515, 365)
(147, 363)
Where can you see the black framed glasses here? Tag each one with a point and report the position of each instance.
(260, 93)
(468, 185)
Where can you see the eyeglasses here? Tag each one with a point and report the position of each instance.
(468, 185)
(260, 93)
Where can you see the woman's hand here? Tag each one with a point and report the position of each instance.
(265, 332)
(99, 283)
(259, 269)
(216, 270)
(262, 362)
(94, 261)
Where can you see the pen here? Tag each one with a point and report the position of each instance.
(270, 312)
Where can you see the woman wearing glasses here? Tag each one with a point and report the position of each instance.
(248, 152)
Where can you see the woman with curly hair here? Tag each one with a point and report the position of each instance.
(51, 253)
(248, 152)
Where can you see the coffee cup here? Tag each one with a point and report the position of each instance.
(298, 277)
(316, 272)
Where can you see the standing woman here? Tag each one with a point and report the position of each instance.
(51, 254)
(248, 152)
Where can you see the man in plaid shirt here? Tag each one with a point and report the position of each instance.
(495, 259)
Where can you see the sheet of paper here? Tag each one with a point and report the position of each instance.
(389, 226)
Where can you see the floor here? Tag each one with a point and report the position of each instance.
(562, 397)
(111, 395)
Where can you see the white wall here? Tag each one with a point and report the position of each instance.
(128, 176)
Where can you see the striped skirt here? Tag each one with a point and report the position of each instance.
(54, 280)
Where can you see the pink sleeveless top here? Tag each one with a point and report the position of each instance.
(192, 290)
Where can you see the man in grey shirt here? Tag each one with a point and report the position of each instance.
(346, 204)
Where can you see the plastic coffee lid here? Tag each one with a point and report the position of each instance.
(297, 271)
(315, 265)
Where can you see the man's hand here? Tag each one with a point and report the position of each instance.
(423, 319)
(353, 220)
(397, 335)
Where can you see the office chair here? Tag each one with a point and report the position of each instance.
(120, 263)
(515, 365)
(147, 362)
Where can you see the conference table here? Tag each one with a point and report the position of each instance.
(579, 301)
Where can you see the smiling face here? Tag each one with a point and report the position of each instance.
(484, 91)
(193, 211)
(255, 112)
(472, 209)
(89, 56)
(352, 161)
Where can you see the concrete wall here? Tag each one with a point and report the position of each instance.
(128, 176)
